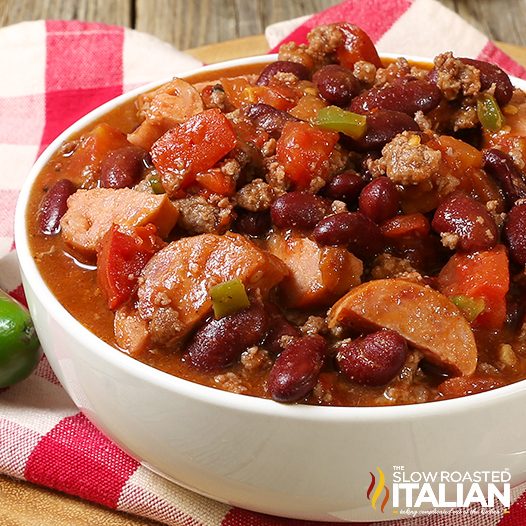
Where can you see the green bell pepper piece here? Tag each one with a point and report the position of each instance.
(228, 298)
(335, 119)
(470, 307)
(489, 113)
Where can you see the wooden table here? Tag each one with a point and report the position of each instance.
(192, 23)
(200, 25)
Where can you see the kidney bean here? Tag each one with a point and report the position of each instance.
(374, 359)
(269, 118)
(254, 224)
(515, 233)
(296, 370)
(379, 200)
(336, 84)
(280, 327)
(345, 186)
(362, 235)
(502, 168)
(492, 74)
(461, 215)
(219, 343)
(406, 96)
(514, 312)
(425, 253)
(382, 127)
(54, 205)
(299, 210)
(282, 66)
(123, 167)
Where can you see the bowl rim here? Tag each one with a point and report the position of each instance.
(175, 384)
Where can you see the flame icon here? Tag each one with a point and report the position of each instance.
(378, 491)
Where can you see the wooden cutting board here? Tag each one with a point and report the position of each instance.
(22, 503)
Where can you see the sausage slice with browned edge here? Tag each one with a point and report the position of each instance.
(91, 213)
(174, 289)
(424, 317)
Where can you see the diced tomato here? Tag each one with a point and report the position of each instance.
(416, 225)
(84, 162)
(217, 182)
(357, 46)
(480, 275)
(307, 108)
(233, 88)
(304, 151)
(193, 147)
(247, 132)
(459, 156)
(121, 257)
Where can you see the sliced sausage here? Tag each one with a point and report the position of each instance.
(172, 103)
(131, 331)
(92, 212)
(174, 291)
(318, 275)
(164, 108)
(424, 317)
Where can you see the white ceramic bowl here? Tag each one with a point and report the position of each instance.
(290, 460)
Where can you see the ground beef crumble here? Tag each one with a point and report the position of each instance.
(286, 78)
(323, 43)
(255, 196)
(407, 388)
(464, 118)
(449, 240)
(314, 325)
(338, 206)
(165, 326)
(398, 69)
(419, 73)
(365, 72)
(424, 123)
(406, 161)
(198, 216)
(230, 382)
(338, 160)
(269, 148)
(255, 358)
(387, 266)
(454, 77)
(499, 217)
(275, 176)
(232, 168)
(293, 52)
(316, 184)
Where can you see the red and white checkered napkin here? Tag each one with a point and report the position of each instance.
(54, 72)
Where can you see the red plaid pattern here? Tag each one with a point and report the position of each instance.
(58, 71)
